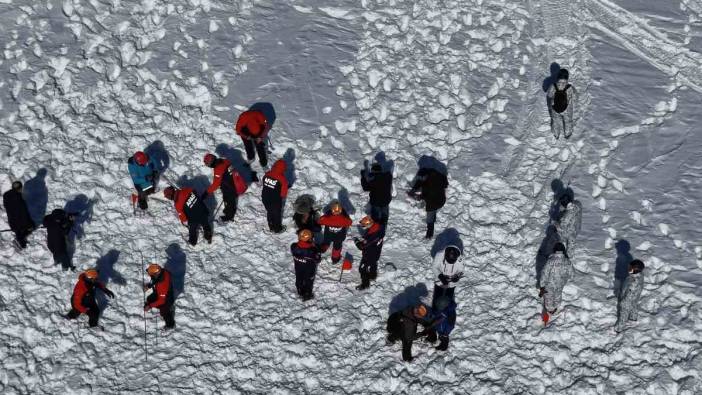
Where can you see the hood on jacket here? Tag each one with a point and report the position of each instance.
(279, 167)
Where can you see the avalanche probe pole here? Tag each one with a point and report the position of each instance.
(143, 282)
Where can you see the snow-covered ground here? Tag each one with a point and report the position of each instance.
(84, 84)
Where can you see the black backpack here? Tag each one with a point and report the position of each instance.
(560, 99)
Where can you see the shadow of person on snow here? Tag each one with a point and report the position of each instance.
(545, 250)
(448, 237)
(289, 159)
(345, 201)
(107, 273)
(410, 296)
(267, 110)
(559, 190)
(385, 164)
(37, 196)
(429, 162)
(175, 263)
(551, 79)
(158, 153)
(621, 266)
(236, 157)
(82, 209)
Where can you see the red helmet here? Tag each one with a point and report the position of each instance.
(169, 193)
(141, 158)
(208, 159)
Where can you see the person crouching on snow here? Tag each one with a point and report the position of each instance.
(556, 273)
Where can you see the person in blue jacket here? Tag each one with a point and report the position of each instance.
(446, 309)
(144, 174)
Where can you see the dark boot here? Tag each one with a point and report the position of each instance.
(431, 337)
(430, 231)
(365, 284)
(443, 345)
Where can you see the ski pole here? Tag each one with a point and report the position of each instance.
(217, 210)
(5, 230)
(143, 282)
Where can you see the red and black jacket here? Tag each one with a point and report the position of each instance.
(255, 123)
(275, 186)
(190, 207)
(83, 298)
(223, 177)
(335, 226)
(371, 244)
(305, 252)
(162, 295)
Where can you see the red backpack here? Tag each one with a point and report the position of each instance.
(239, 182)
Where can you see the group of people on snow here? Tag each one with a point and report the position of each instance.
(316, 233)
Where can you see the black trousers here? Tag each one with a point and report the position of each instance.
(21, 236)
(336, 245)
(230, 202)
(194, 226)
(63, 259)
(93, 314)
(252, 148)
(274, 214)
(368, 271)
(142, 197)
(167, 312)
(304, 278)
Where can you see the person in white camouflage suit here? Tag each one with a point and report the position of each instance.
(628, 308)
(560, 99)
(569, 221)
(557, 271)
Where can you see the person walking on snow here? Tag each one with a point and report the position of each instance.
(144, 174)
(379, 185)
(371, 245)
(162, 296)
(18, 217)
(252, 126)
(448, 266)
(336, 225)
(569, 221)
(560, 98)
(228, 181)
(306, 256)
(58, 225)
(273, 193)
(557, 271)
(83, 299)
(430, 186)
(192, 212)
(402, 325)
(631, 293)
(306, 215)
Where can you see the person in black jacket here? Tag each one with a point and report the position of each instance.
(430, 186)
(306, 216)
(379, 184)
(17, 214)
(402, 325)
(58, 225)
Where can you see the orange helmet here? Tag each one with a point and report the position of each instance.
(305, 235)
(153, 270)
(91, 274)
(336, 208)
(420, 311)
(366, 222)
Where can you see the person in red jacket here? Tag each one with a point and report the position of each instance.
(224, 179)
(252, 126)
(83, 298)
(192, 212)
(273, 194)
(336, 225)
(161, 297)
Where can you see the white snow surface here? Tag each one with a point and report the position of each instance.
(87, 83)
